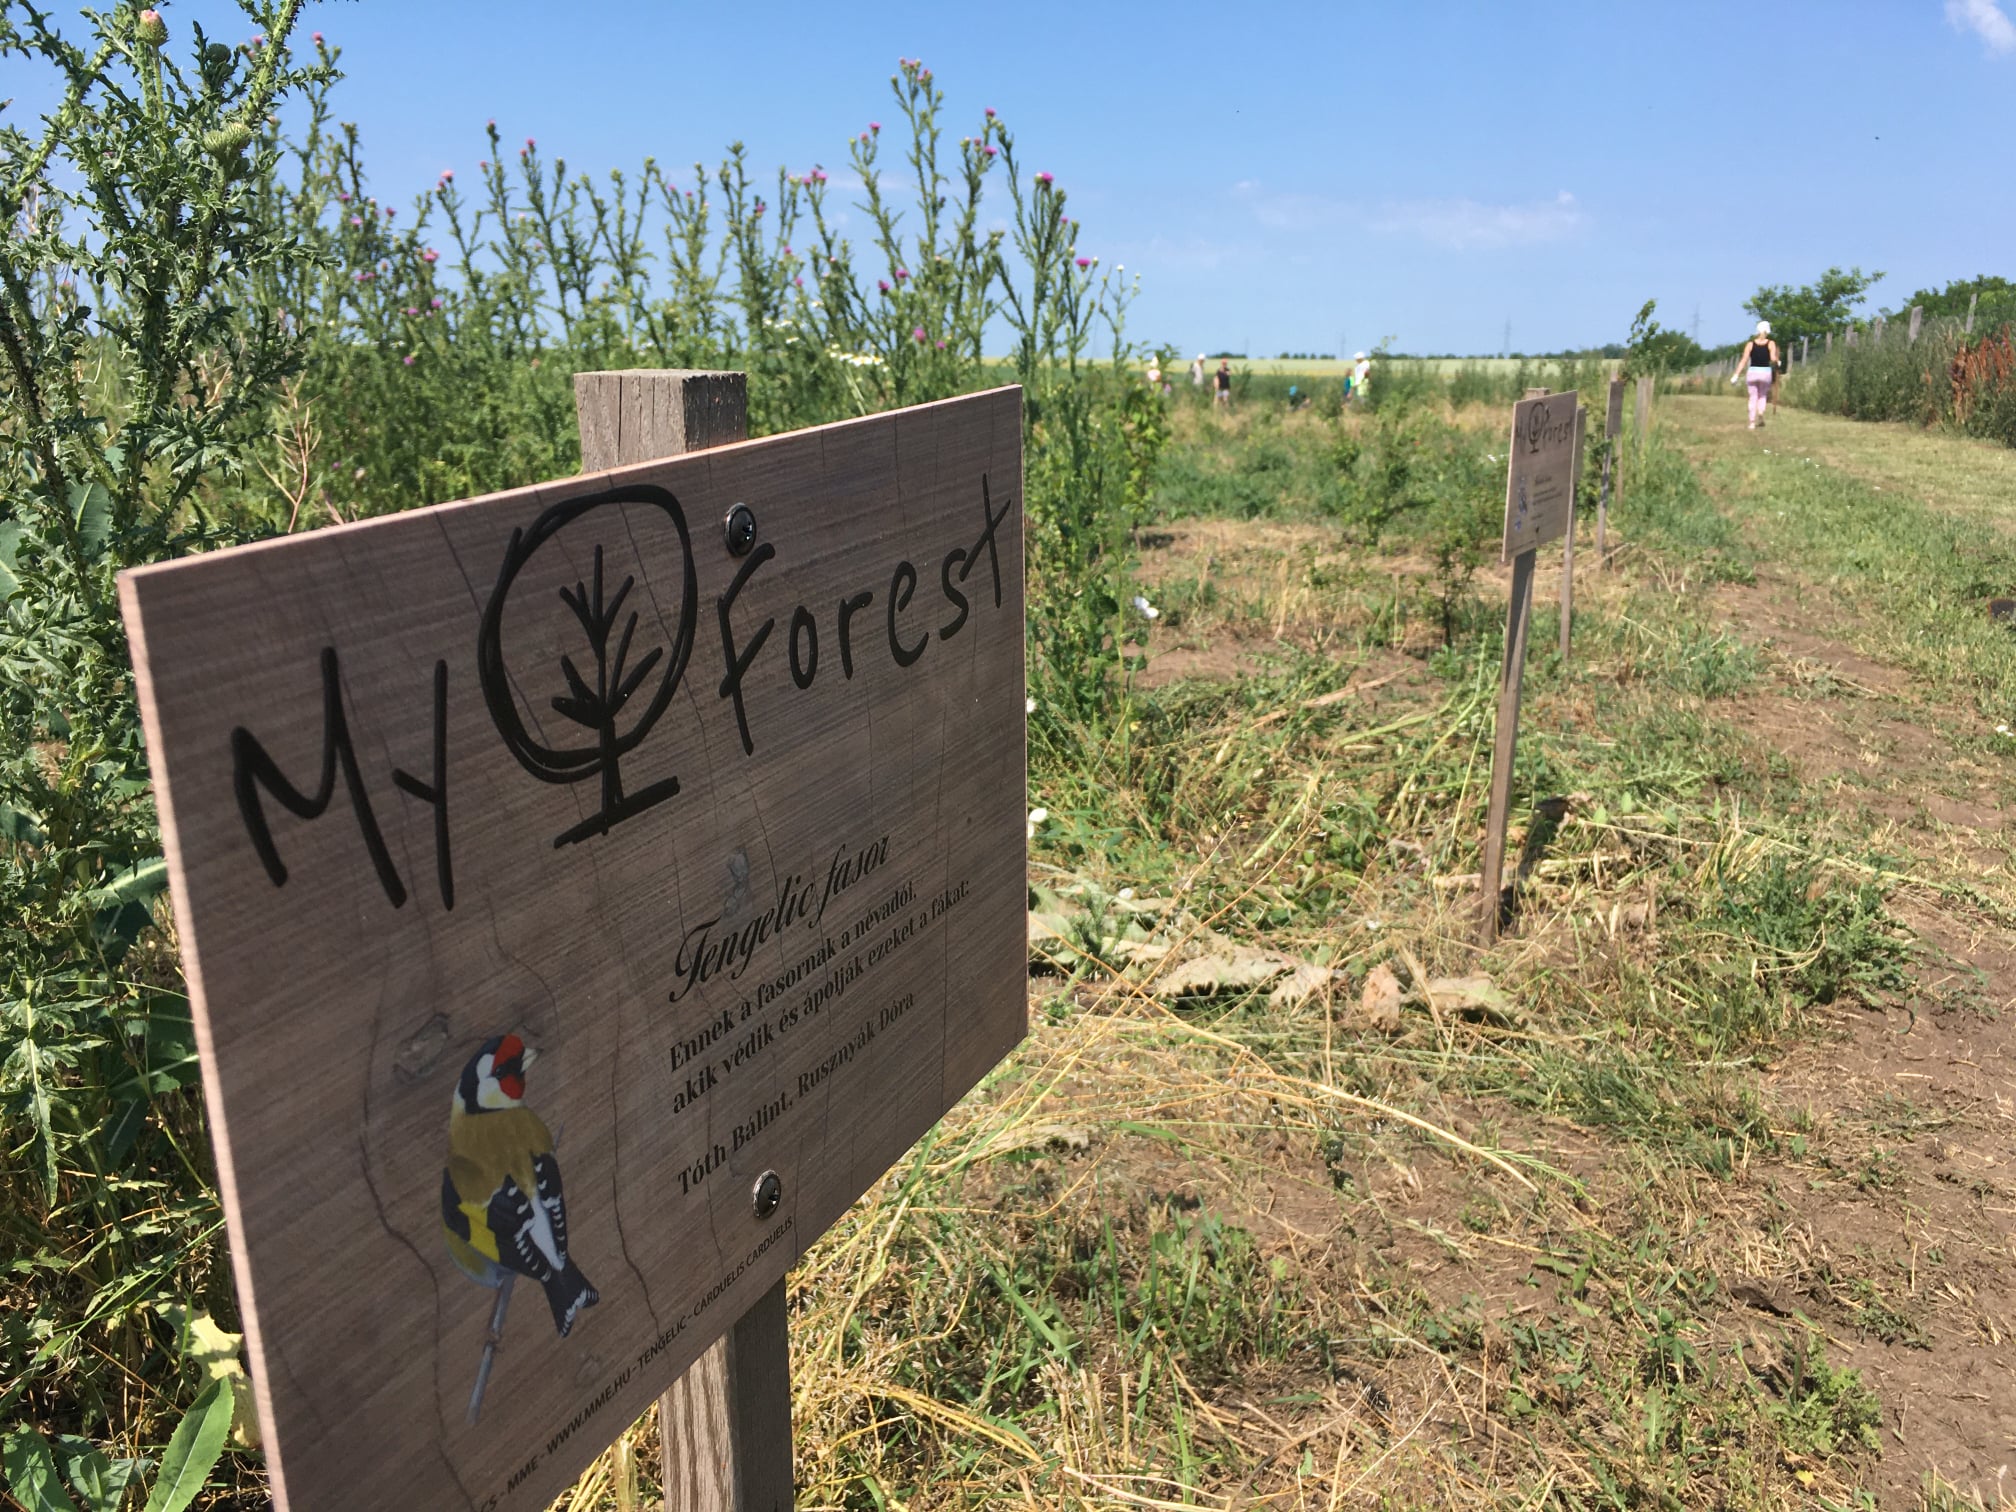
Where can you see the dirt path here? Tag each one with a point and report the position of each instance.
(1897, 1231)
(1958, 475)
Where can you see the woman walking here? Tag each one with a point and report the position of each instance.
(1761, 360)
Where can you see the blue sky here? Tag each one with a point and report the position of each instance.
(1289, 178)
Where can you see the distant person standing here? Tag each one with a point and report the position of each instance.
(1361, 376)
(1197, 372)
(1224, 397)
(1756, 366)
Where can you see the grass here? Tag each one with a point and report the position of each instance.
(1225, 1231)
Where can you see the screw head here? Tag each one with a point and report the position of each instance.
(768, 1194)
(739, 530)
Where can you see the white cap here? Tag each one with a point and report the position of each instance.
(1763, 328)
(1360, 357)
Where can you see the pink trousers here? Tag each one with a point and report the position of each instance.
(1760, 391)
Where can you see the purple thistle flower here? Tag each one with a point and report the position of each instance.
(876, 127)
(798, 282)
(390, 211)
(447, 175)
(1084, 262)
(941, 346)
(411, 311)
(484, 166)
(989, 150)
(365, 275)
(1045, 179)
(880, 283)
(530, 144)
(430, 255)
(990, 112)
(317, 38)
(342, 197)
(435, 302)
(917, 334)
(901, 274)
(409, 359)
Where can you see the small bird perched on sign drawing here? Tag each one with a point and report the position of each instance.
(500, 1195)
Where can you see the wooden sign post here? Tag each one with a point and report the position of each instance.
(1568, 542)
(1917, 321)
(1613, 428)
(724, 1426)
(1643, 413)
(587, 892)
(1539, 498)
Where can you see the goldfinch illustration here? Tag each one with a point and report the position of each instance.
(500, 1195)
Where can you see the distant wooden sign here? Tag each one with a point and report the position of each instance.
(700, 784)
(1537, 483)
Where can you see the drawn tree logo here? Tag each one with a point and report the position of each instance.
(600, 699)
(1536, 427)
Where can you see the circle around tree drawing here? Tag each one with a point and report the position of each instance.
(598, 706)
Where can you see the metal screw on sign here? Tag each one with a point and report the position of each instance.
(769, 1186)
(739, 530)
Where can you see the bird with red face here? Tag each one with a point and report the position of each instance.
(501, 1203)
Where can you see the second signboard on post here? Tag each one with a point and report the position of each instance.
(1540, 484)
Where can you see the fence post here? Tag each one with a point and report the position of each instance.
(726, 1423)
(1917, 320)
(1829, 348)
(1568, 541)
(1971, 300)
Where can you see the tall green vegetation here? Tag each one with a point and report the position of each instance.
(1949, 376)
(1812, 310)
(212, 330)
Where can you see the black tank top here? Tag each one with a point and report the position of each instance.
(1760, 354)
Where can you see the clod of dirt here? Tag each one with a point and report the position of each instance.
(1379, 1002)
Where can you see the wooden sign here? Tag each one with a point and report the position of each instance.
(587, 892)
(1537, 497)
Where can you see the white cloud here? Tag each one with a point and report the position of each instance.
(1459, 224)
(1463, 224)
(1987, 20)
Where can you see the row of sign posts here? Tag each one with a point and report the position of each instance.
(1543, 474)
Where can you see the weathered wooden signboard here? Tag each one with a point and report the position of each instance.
(587, 891)
(1538, 493)
(1540, 480)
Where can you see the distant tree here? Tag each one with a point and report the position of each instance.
(1814, 309)
(1957, 295)
(1651, 348)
